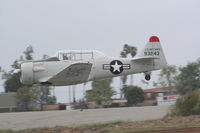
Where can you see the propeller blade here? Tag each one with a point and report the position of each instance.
(16, 71)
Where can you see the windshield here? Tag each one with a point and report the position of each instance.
(78, 54)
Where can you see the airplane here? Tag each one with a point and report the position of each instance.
(70, 67)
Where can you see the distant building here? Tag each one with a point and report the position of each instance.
(8, 102)
(159, 96)
(167, 100)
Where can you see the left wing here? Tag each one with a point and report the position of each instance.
(75, 73)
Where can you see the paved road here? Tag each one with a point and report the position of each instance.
(24, 120)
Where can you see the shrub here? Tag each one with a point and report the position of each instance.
(134, 95)
(188, 104)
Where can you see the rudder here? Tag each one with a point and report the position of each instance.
(153, 49)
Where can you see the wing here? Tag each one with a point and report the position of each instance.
(144, 59)
(75, 73)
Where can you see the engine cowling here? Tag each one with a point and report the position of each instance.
(27, 73)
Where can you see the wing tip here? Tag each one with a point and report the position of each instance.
(154, 39)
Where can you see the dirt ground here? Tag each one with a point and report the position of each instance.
(184, 130)
(189, 124)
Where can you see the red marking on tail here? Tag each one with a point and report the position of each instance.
(154, 39)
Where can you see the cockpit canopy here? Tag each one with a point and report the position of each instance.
(78, 54)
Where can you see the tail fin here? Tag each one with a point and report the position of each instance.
(154, 51)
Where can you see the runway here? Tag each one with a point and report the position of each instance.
(24, 120)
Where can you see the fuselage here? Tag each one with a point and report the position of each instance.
(79, 66)
(104, 67)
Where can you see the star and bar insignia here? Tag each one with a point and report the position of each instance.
(116, 66)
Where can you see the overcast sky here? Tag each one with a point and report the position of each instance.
(104, 25)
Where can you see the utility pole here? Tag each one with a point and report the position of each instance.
(69, 93)
(132, 78)
(74, 93)
(121, 87)
(53, 90)
(84, 84)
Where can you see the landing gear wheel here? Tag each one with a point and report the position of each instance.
(148, 77)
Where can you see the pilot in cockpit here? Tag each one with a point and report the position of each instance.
(65, 57)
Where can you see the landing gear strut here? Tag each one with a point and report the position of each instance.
(147, 77)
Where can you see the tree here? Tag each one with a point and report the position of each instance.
(39, 95)
(25, 97)
(189, 77)
(12, 80)
(101, 91)
(42, 96)
(127, 50)
(28, 53)
(167, 77)
(134, 95)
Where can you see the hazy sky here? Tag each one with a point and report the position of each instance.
(104, 25)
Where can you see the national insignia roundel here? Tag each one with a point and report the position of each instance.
(116, 66)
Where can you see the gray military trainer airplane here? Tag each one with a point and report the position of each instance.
(79, 66)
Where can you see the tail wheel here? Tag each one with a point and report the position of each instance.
(147, 76)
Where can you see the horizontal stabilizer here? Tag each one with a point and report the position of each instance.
(144, 59)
